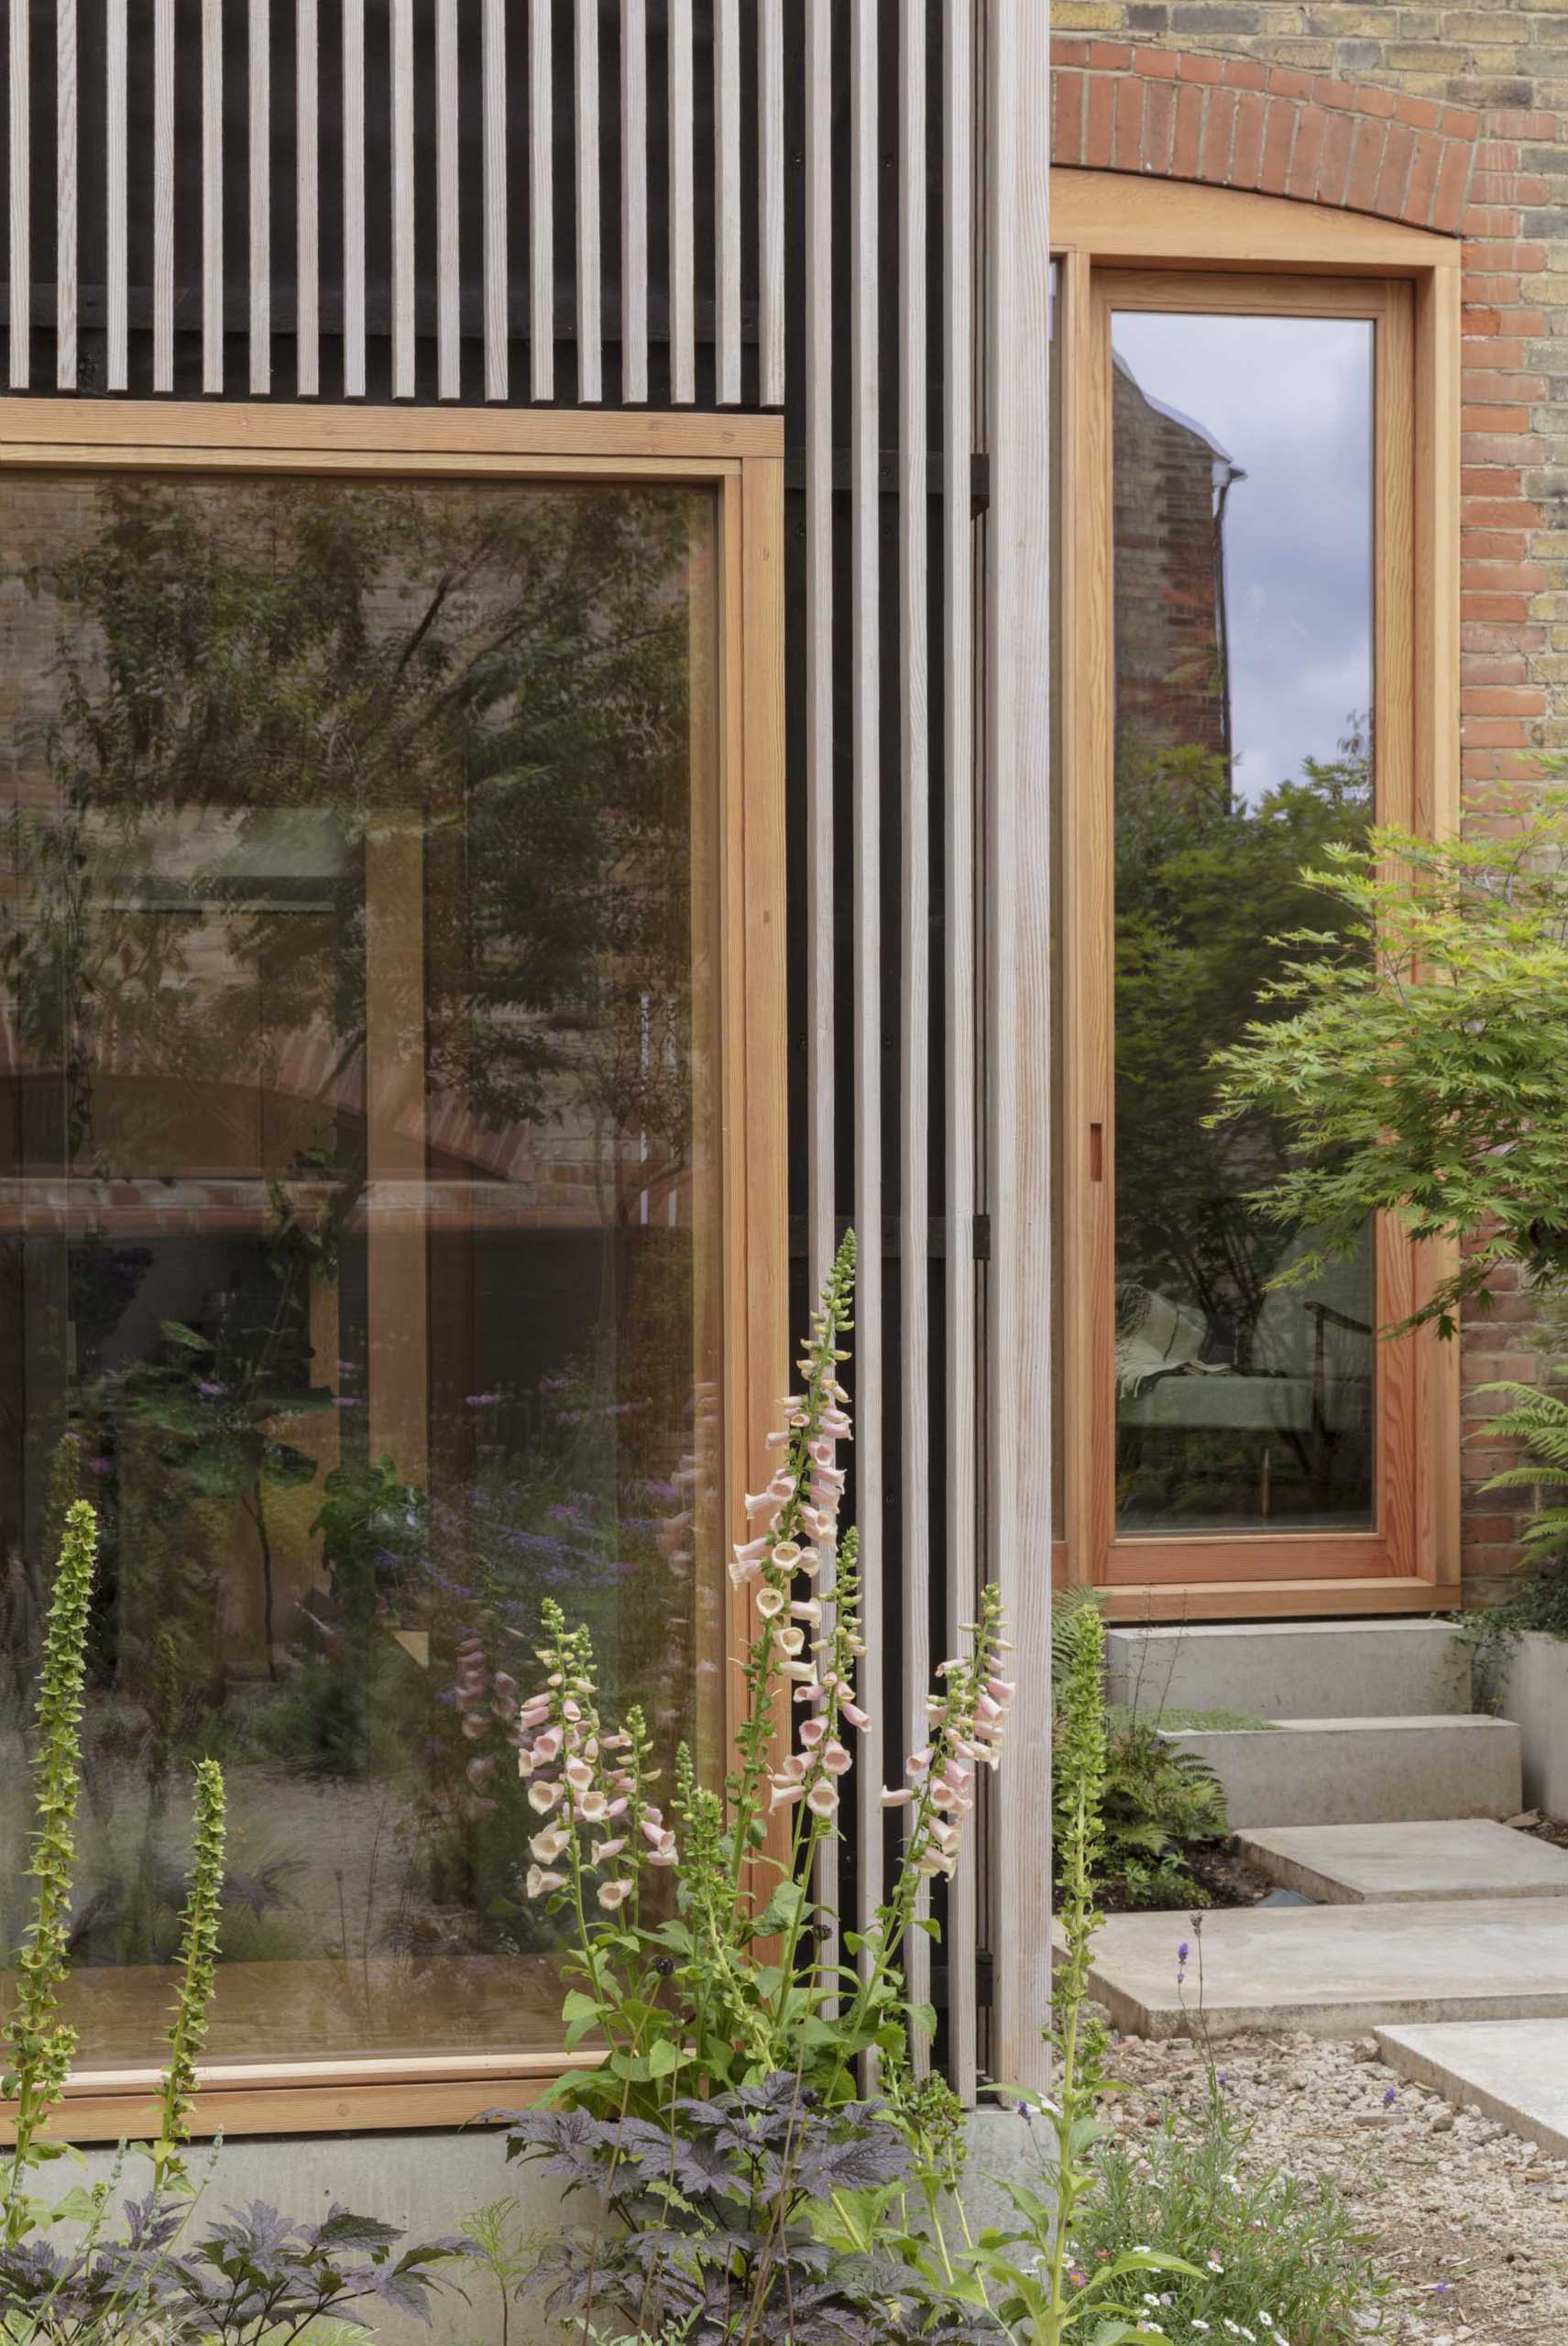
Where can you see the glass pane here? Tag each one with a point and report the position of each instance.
(359, 1197)
(1243, 651)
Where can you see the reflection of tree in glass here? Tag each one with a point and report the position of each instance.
(1204, 881)
(249, 673)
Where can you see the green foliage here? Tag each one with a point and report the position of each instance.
(1422, 1071)
(197, 1975)
(1252, 2245)
(1156, 1803)
(1536, 1418)
(40, 2045)
(1033, 2266)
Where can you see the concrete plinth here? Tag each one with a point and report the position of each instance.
(1292, 1670)
(1337, 1970)
(1515, 2071)
(1351, 1865)
(1363, 1771)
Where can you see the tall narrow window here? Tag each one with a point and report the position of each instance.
(360, 1229)
(1244, 520)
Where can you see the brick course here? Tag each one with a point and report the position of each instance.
(1448, 119)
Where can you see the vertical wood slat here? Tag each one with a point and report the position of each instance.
(163, 196)
(116, 193)
(307, 201)
(448, 251)
(959, 974)
(770, 203)
(866, 752)
(540, 204)
(727, 197)
(259, 128)
(354, 199)
(915, 993)
(821, 1221)
(590, 359)
(65, 168)
(1018, 989)
(21, 197)
(633, 202)
(682, 250)
(497, 255)
(212, 195)
(402, 199)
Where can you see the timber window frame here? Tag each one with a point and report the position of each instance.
(1127, 243)
(741, 458)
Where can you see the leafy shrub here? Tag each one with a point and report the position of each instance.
(706, 2233)
(1255, 2245)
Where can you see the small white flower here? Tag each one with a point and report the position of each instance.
(540, 1883)
(612, 1894)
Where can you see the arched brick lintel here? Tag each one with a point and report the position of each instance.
(1234, 122)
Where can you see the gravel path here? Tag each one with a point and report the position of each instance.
(1470, 2223)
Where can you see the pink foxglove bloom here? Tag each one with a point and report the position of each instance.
(612, 1894)
(836, 1759)
(852, 1715)
(823, 1797)
(542, 1796)
(791, 1641)
(579, 1775)
(808, 1609)
(899, 1799)
(592, 1808)
(539, 1884)
(747, 1560)
(806, 1672)
(548, 1845)
(812, 1731)
(663, 1856)
(769, 1603)
(548, 1744)
(784, 1796)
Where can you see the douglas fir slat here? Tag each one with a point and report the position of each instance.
(590, 359)
(65, 158)
(448, 254)
(771, 201)
(354, 199)
(633, 201)
(819, 1009)
(682, 249)
(21, 206)
(866, 753)
(959, 974)
(540, 204)
(727, 195)
(402, 199)
(914, 1313)
(212, 195)
(1018, 993)
(497, 251)
(261, 129)
(162, 196)
(307, 201)
(117, 191)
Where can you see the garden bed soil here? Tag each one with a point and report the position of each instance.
(1229, 1877)
(1468, 2222)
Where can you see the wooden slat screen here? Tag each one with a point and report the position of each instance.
(752, 203)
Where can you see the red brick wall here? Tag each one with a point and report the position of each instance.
(1448, 119)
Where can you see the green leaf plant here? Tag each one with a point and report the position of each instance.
(1031, 2268)
(1418, 1055)
(198, 1977)
(737, 1988)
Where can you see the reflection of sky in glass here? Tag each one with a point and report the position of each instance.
(1289, 401)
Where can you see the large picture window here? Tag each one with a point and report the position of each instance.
(368, 1190)
(1248, 496)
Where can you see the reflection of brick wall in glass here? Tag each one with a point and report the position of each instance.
(357, 1198)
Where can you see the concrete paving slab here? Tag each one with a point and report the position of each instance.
(1354, 1865)
(1375, 1770)
(1337, 1970)
(1515, 2071)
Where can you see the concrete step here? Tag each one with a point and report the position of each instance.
(1515, 2071)
(1293, 1669)
(1381, 1865)
(1374, 1770)
(1335, 1970)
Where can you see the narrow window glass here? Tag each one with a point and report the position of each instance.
(1243, 519)
(359, 1230)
